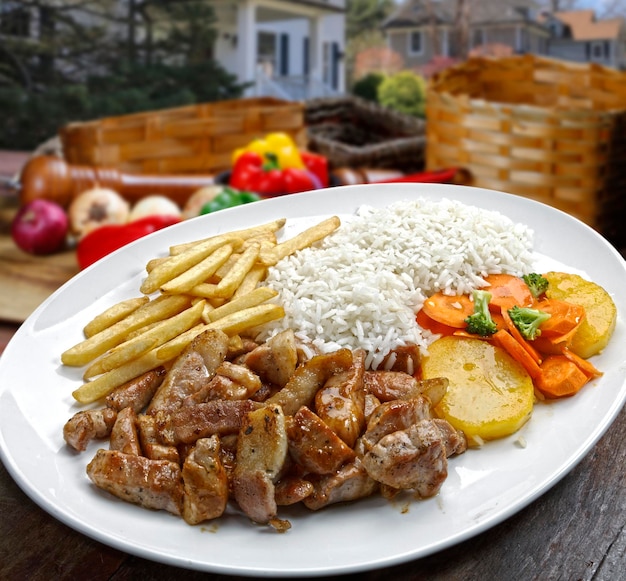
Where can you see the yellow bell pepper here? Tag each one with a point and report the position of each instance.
(280, 144)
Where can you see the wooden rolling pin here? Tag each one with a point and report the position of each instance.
(53, 178)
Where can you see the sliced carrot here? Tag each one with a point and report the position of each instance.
(560, 377)
(508, 290)
(451, 310)
(590, 370)
(426, 322)
(511, 328)
(565, 317)
(505, 340)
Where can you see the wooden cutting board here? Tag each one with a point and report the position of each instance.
(27, 280)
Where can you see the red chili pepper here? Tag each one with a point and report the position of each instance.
(318, 165)
(104, 240)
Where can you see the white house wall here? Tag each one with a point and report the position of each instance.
(296, 25)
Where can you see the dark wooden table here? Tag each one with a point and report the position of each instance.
(577, 530)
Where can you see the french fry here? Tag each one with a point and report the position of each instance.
(156, 336)
(234, 277)
(157, 309)
(174, 347)
(244, 234)
(111, 359)
(251, 299)
(206, 290)
(302, 240)
(251, 280)
(113, 314)
(245, 319)
(198, 273)
(152, 264)
(178, 264)
(102, 385)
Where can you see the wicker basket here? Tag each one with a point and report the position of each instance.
(190, 139)
(353, 132)
(545, 129)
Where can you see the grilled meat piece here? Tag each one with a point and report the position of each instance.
(261, 455)
(350, 482)
(192, 369)
(395, 415)
(275, 360)
(124, 437)
(231, 381)
(189, 423)
(391, 385)
(414, 458)
(205, 482)
(314, 446)
(136, 393)
(308, 377)
(87, 425)
(155, 484)
(151, 445)
(341, 402)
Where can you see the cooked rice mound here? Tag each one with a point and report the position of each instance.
(361, 286)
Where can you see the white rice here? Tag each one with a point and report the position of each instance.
(361, 286)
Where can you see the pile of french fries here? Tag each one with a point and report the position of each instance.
(213, 283)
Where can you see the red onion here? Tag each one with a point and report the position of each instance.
(40, 227)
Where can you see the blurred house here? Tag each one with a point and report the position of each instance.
(291, 49)
(579, 36)
(425, 31)
(286, 48)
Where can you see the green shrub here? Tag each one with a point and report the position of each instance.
(32, 117)
(404, 92)
(367, 86)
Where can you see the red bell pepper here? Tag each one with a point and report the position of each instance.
(105, 239)
(318, 165)
(262, 175)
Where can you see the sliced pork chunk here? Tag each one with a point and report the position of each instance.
(308, 377)
(261, 455)
(391, 385)
(189, 423)
(205, 482)
(151, 444)
(231, 381)
(155, 484)
(87, 425)
(193, 369)
(414, 458)
(350, 482)
(393, 416)
(314, 446)
(124, 436)
(340, 403)
(137, 393)
(275, 360)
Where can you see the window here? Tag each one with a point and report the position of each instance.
(266, 55)
(416, 42)
(478, 37)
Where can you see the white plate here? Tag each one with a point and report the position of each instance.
(483, 488)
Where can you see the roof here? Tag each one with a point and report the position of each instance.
(584, 26)
(417, 13)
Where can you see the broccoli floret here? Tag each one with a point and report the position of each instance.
(480, 321)
(527, 320)
(537, 283)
